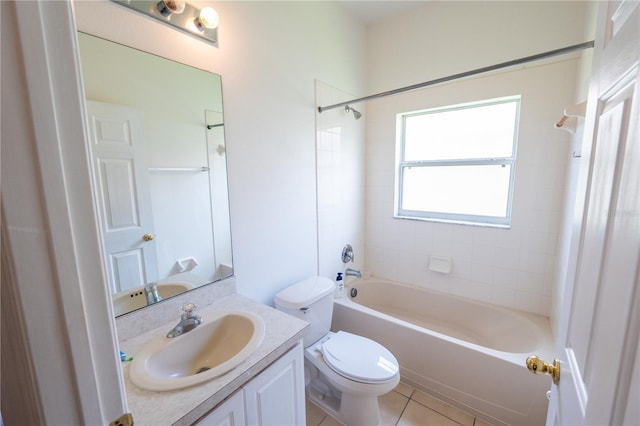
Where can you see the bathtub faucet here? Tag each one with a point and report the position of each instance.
(352, 272)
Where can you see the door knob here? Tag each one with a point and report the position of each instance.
(538, 366)
(147, 237)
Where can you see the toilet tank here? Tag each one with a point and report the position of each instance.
(310, 300)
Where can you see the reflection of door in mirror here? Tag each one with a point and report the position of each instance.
(116, 134)
(185, 172)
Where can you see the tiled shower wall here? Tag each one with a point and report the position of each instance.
(340, 182)
(510, 267)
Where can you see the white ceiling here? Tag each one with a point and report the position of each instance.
(371, 11)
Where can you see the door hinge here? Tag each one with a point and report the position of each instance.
(124, 420)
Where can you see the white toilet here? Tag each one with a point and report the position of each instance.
(344, 373)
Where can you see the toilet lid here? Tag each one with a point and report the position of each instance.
(359, 358)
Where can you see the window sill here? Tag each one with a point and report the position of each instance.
(455, 222)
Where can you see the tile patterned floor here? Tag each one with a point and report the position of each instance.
(405, 406)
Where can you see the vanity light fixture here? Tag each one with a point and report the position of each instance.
(167, 7)
(208, 18)
(181, 15)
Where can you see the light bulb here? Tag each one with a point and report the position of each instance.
(208, 19)
(167, 7)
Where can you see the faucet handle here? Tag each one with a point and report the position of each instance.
(347, 254)
(189, 315)
(188, 308)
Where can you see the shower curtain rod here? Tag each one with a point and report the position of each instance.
(524, 60)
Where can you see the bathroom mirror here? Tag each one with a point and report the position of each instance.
(156, 136)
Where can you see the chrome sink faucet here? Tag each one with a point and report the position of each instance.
(352, 272)
(151, 292)
(188, 321)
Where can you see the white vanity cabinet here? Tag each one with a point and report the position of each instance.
(228, 413)
(276, 396)
(273, 397)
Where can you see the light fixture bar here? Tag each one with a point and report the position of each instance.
(185, 21)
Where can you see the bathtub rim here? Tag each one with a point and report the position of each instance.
(539, 323)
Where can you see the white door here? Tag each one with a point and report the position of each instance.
(597, 342)
(120, 175)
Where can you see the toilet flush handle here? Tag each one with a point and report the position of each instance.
(305, 310)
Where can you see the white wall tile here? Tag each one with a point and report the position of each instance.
(532, 261)
(477, 290)
(508, 238)
(483, 254)
(481, 273)
(531, 282)
(405, 267)
(512, 267)
(462, 252)
(461, 268)
(340, 185)
(505, 257)
(535, 241)
(389, 262)
(505, 278)
(533, 302)
(503, 296)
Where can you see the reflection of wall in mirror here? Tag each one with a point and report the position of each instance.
(218, 184)
(174, 98)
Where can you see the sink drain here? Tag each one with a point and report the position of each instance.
(202, 370)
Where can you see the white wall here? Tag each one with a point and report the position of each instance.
(276, 50)
(269, 55)
(50, 260)
(513, 267)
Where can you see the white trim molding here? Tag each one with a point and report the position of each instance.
(50, 221)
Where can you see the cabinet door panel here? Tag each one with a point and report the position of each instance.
(276, 396)
(229, 413)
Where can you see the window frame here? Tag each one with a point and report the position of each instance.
(402, 165)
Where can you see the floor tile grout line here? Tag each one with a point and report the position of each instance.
(439, 413)
(442, 414)
(405, 405)
(402, 412)
(411, 398)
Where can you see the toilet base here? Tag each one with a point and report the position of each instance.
(351, 410)
(326, 400)
(351, 402)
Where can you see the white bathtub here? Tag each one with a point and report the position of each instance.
(468, 353)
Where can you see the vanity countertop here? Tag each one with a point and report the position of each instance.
(185, 406)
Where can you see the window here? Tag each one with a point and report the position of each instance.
(457, 163)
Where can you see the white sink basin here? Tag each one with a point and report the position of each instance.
(130, 300)
(219, 344)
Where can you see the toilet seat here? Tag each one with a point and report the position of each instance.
(359, 358)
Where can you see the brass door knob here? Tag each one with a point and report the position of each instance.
(147, 237)
(538, 366)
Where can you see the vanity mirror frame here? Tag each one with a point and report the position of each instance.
(176, 47)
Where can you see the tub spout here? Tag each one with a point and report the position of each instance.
(352, 272)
